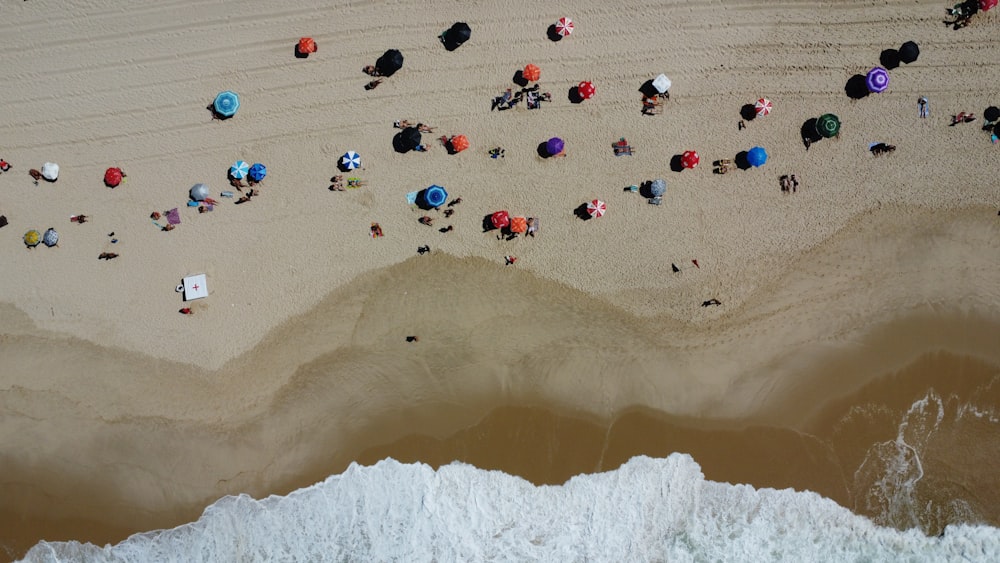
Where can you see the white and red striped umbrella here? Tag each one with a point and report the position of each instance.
(597, 208)
(762, 107)
(564, 26)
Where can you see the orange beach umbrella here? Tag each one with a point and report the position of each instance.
(518, 224)
(459, 143)
(307, 45)
(531, 73)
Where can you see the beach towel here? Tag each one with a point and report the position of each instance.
(174, 217)
(411, 198)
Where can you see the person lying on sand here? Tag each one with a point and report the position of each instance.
(167, 227)
(711, 302)
(425, 220)
(424, 128)
(35, 174)
(402, 124)
(373, 84)
(107, 256)
(236, 183)
(370, 70)
(454, 202)
(79, 218)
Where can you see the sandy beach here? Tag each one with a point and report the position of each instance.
(121, 415)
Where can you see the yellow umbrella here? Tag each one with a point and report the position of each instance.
(32, 238)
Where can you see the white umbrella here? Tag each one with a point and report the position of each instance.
(50, 171)
(661, 83)
(199, 192)
(51, 237)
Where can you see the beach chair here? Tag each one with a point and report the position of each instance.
(723, 166)
(658, 200)
(532, 101)
(622, 147)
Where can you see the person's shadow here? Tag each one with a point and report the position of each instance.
(552, 34)
(889, 59)
(581, 212)
(856, 88)
(675, 163)
(808, 132)
(748, 112)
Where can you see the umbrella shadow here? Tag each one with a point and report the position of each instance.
(574, 95)
(808, 132)
(299, 54)
(343, 167)
(748, 112)
(856, 88)
(519, 79)
(741, 161)
(488, 223)
(675, 163)
(449, 45)
(215, 114)
(581, 212)
(889, 59)
(552, 34)
(400, 143)
(646, 189)
(647, 89)
(543, 151)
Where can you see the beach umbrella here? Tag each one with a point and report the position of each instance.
(306, 46)
(239, 170)
(531, 73)
(32, 238)
(50, 171)
(828, 125)
(199, 192)
(51, 237)
(435, 196)
(662, 83)
(756, 157)
(554, 146)
(877, 79)
(596, 208)
(690, 159)
(459, 143)
(586, 90)
(257, 172)
(762, 107)
(518, 224)
(458, 33)
(564, 27)
(226, 103)
(500, 219)
(113, 177)
(407, 139)
(389, 62)
(908, 52)
(350, 160)
(985, 5)
(658, 187)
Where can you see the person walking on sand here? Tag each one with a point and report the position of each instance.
(186, 311)
(421, 250)
(4, 165)
(510, 259)
(924, 108)
(795, 183)
(413, 338)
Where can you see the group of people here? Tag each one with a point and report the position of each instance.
(789, 184)
(530, 95)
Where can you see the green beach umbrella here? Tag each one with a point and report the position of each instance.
(828, 125)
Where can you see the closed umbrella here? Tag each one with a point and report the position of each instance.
(762, 107)
(908, 52)
(51, 237)
(113, 177)
(662, 83)
(586, 90)
(257, 172)
(199, 192)
(564, 27)
(828, 125)
(50, 171)
(756, 157)
(554, 146)
(597, 208)
(658, 187)
(226, 103)
(435, 196)
(239, 170)
(389, 62)
(459, 143)
(531, 73)
(690, 159)
(877, 80)
(306, 46)
(32, 238)
(500, 219)
(350, 160)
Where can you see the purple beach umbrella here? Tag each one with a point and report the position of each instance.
(877, 79)
(554, 146)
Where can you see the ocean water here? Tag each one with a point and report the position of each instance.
(646, 510)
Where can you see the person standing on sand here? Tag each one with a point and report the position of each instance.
(924, 108)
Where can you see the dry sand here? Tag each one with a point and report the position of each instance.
(297, 360)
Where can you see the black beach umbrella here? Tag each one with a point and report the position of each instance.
(992, 113)
(908, 52)
(389, 62)
(458, 33)
(406, 140)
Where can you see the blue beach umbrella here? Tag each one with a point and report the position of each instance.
(257, 172)
(239, 170)
(756, 157)
(435, 196)
(350, 160)
(554, 146)
(226, 103)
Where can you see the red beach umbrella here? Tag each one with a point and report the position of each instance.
(531, 73)
(762, 107)
(586, 90)
(597, 208)
(690, 159)
(113, 177)
(564, 27)
(500, 219)
(307, 45)
(985, 5)
(459, 143)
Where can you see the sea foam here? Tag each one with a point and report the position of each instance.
(647, 510)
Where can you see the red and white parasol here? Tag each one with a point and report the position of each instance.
(690, 159)
(564, 26)
(762, 107)
(597, 208)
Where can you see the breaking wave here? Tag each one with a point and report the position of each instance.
(646, 510)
